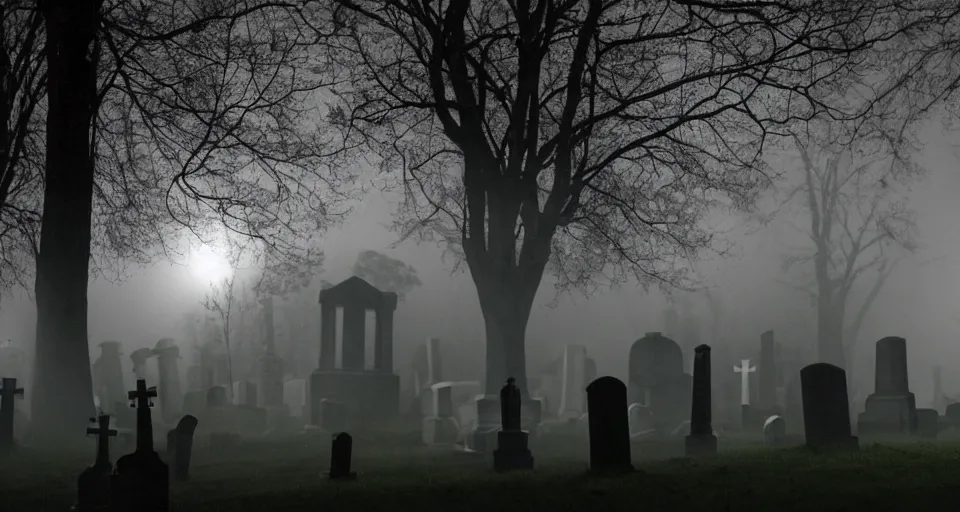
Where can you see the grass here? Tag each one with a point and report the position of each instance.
(398, 475)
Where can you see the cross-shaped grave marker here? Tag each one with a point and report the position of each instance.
(140, 399)
(8, 392)
(103, 433)
(93, 485)
(744, 370)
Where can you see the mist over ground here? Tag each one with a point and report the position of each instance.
(921, 300)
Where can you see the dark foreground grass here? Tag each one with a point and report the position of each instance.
(397, 475)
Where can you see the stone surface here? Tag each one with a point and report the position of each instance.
(826, 410)
(701, 440)
(928, 423)
(609, 425)
(341, 457)
(891, 409)
(774, 431)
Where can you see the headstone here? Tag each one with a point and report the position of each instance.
(271, 381)
(295, 396)
(892, 408)
(774, 431)
(572, 397)
(9, 392)
(217, 396)
(826, 410)
(93, 485)
(141, 481)
(656, 379)
(341, 455)
(609, 425)
(952, 414)
(180, 447)
(440, 428)
(333, 415)
(108, 377)
(701, 440)
(169, 390)
(937, 401)
(768, 372)
(512, 452)
(928, 423)
(745, 370)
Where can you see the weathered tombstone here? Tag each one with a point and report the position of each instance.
(774, 431)
(8, 394)
(512, 452)
(440, 428)
(180, 447)
(141, 481)
(107, 375)
(701, 440)
(609, 425)
(217, 396)
(333, 415)
(572, 395)
(767, 373)
(341, 454)
(892, 408)
(744, 370)
(656, 379)
(928, 423)
(371, 394)
(93, 485)
(169, 391)
(826, 410)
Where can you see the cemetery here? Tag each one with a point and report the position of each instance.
(409, 256)
(592, 440)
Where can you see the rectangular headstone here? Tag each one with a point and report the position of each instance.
(573, 389)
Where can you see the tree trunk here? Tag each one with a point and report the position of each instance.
(506, 329)
(830, 331)
(62, 400)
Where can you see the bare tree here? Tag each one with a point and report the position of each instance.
(161, 116)
(591, 136)
(858, 228)
(22, 87)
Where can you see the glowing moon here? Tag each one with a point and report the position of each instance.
(207, 265)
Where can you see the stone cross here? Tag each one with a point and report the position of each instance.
(744, 370)
(510, 406)
(103, 433)
(141, 396)
(8, 392)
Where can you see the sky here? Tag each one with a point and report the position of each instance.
(921, 301)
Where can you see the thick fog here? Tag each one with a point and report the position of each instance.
(920, 301)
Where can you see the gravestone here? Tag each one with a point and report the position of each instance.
(745, 370)
(701, 440)
(774, 431)
(440, 428)
(512, 452)
(141, 481)
(9, 392)
(573, 378)
(341, 455)
(140, 358)
(217, 396)
(892, 408)
(295, 396)
(169, 390)
(826, 409)
(371, 394)
(107, 375)
(333, 415)
(609, 426)
(93, 485)
(180, 447)
(767, 376)
(271, 387)
(656, 379)
(928, 423)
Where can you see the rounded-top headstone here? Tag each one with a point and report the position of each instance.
(826, 410)
(654, 360)
(891, 366)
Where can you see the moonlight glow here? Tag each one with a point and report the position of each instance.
(208, 266)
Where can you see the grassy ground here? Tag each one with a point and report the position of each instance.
(398, 475)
